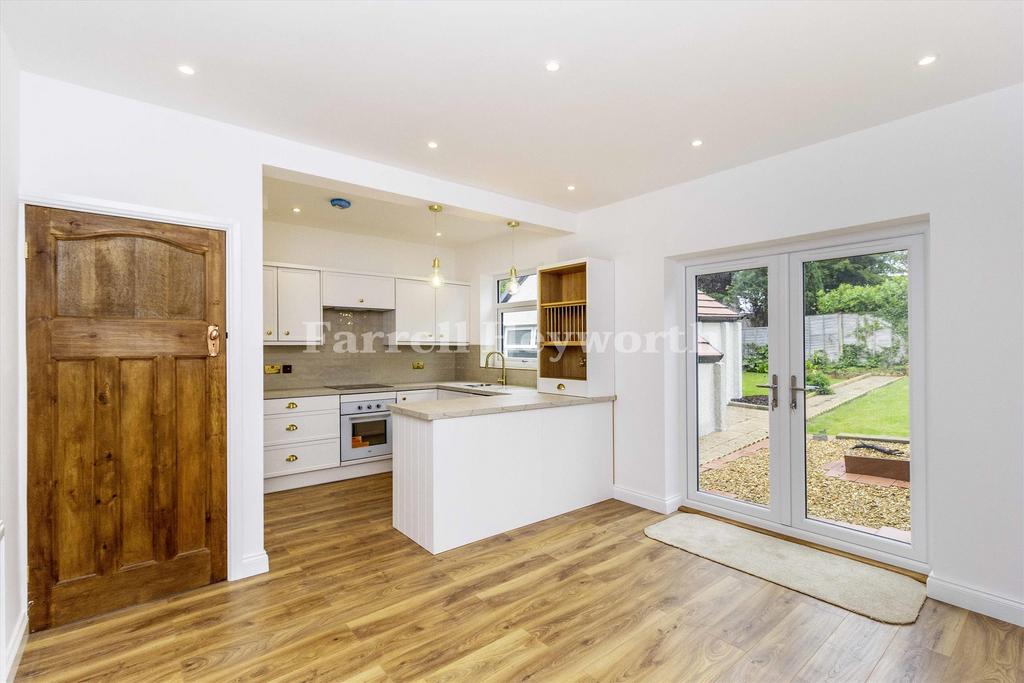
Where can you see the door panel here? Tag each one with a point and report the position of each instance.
(126, 469)
(269, 303)
(451, 305)
(414, 311)
(299, 314)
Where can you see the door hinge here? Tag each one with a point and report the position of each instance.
(26, 249)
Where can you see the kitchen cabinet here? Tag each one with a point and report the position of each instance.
(300, 434)
(451, 313)
(345, 290)
(443, 394)
(269, 303)
(425, 314)
(414, 312)
(299, 313)
(416, 395)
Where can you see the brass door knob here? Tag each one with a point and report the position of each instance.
(291, 428)
(291, 458)
(291, 406)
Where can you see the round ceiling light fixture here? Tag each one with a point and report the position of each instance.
(186, 69)
(340, 203)
(552, 65)
(571, 188)
(432, 145)
(296, 209)
(696, 143)
(926, 60)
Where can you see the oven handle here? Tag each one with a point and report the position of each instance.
(367, 417)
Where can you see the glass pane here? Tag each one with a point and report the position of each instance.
(857, 417)
(527, 289)
(369, 433)
(519, 334)
(731, 361)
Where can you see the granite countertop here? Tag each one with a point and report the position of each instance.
(484, 400)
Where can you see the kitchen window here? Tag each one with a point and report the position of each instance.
(517, 320)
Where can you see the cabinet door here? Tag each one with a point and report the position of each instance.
(452, 314)
(299, 314)
(414, 311)
(269, 303)
(445, 394)
(343, 290)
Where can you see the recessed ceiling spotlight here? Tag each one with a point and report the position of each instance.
(926, 60)
(696, 143)
(432, 145)
(296, 210)
(552, 65)
(571, 188)
(437, 234)
(186, 69)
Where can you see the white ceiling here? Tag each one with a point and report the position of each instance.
(372, 213)
(638, 80)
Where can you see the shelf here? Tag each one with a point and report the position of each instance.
(555, 304)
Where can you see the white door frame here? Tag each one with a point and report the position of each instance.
(788, 297)
(239, 566)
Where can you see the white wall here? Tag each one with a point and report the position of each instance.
(93, 145)
(12, 539)
(350, 251)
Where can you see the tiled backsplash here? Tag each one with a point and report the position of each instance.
(356, 353)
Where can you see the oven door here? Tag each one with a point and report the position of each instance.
(365, 436)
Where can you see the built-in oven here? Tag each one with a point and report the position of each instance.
(365, 426)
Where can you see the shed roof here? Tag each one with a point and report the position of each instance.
(706, 353)
(710, 310)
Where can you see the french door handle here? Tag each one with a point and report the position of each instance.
(793, 389)
(774, 386)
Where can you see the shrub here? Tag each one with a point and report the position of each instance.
(814, 377)
(755, 358)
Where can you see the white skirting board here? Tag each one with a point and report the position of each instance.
(15, 647)
(995, 606)
(463, 479)
(665, 506)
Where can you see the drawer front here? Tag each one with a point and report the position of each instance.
(302, 404)
(567, 387)
(304, 457)
(416, 395)
(281, 429)
(359, 291)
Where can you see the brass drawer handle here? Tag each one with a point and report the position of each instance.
(292, 406)
(291, 458)
(561, 387)
(291, 428)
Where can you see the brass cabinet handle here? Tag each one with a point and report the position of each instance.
(404, 398)
(561, 387)
(361, 300)
(270, 332)
(291, 458)
(287, 332)
(292, 405)
(291, 428)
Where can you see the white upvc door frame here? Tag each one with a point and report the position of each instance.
(914, 246)
(786, 513)
(778, 419)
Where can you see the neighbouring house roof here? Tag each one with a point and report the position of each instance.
(709, 310)
(706, 353)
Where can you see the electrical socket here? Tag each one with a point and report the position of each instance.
(417, 365)
(271, 369)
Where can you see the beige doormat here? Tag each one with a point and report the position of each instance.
(871, 591)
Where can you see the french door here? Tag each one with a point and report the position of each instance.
(803, 407)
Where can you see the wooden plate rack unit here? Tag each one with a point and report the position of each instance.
(568, 314)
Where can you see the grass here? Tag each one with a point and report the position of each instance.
(884, 411)
(750, 382)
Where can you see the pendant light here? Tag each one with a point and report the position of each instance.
(513, 274)
(436, 279)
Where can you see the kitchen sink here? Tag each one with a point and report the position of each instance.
(484, 384)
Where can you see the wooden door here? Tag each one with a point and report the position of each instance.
(126, 412)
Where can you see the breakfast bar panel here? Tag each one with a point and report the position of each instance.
(463, 479)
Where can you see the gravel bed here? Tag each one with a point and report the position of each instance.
(828, 498)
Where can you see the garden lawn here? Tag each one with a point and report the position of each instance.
(884, 411)
(750, 382)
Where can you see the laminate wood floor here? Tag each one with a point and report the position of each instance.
(584, 596)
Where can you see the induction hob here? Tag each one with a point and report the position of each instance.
(352, 387)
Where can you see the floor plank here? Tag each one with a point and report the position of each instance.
(580, 597)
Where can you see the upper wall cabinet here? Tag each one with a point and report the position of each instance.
(428, 315)
(269, 303)
(344, 290)
(299, 312)
(451, 313)
(414, 311)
